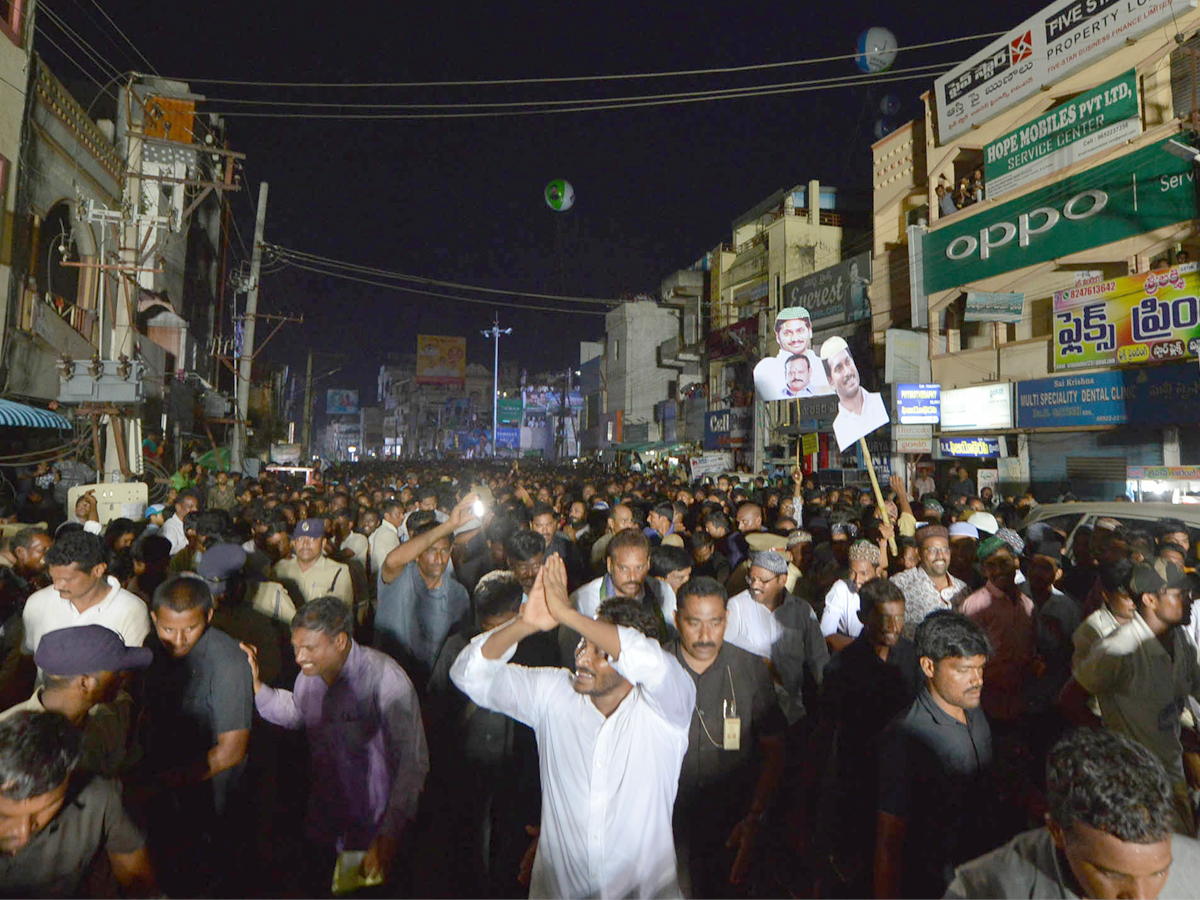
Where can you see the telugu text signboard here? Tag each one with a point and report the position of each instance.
(979, 447)
(1081, 127)
(441, 359)
(1151, 317)
(1155, 395)
(1063, 37)
(1139, 192)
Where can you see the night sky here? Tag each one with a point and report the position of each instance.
(461, 199)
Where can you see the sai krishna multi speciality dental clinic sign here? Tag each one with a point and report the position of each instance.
(1140, 192)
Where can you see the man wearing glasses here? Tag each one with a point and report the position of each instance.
(929, 586)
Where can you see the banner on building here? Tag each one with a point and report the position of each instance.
(1064, 37)
(1151, 317)
(836, 293)
(340, 402)
(1140, 192)
(508, 438)
(710, 464)
(1078, 128)
(728, 428)
(508, 410)
(1154, 395)
(994, 307)
(441, 359)
(979, 408)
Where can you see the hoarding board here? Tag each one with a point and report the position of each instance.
(981, 408)
(838, 292)
(1153, 395)
(1081, 127)
(1151, 317)
(918, 404)
(1042, 50)
(728, 428)
(994, 307)
(441, 359)
(340, 402)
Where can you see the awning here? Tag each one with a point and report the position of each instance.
(18, 415)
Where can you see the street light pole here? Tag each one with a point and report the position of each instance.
(494, 332)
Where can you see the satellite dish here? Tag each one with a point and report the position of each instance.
(876, 50)
(559, 195)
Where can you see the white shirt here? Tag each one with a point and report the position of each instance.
(1142, 692)
(750, 625)
(358, 545)
(173, 531)
(849, 426)
(924, 486)
(587, 599)
(770, 376)
(609, 783)
(383, 541)
(120, 611)
(841, 611)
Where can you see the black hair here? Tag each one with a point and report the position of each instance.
(498, 529)
(946, 634)
(389, 505)
(1170, 526)
(719, 520)
(700, 586)
(876, 591)
(278, 525)
(1111, 783)
(541, 509)
(151, 549)
(116, 529)
(665, 508)
(23, 539)
(497, 595)
(629, 539)
(701, 538)
(185, 493)
(665, 560)
(328, 615)
(1115, 574)
(523, 545)
(215, 526)
(632, 614)
(421, 521)
(426, 492)
(182, 593)
(38, 750)
(1171, 545)
(85, 550)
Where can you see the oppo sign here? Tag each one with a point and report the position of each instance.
(1028, 225)
(1134, 194)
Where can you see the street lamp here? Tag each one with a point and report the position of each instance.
(494, 332)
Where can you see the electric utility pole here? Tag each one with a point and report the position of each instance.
(237, 451)
(494, 332)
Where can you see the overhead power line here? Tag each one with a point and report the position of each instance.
(132, 45)
(295, 257)
(590, 106)
(720, 70)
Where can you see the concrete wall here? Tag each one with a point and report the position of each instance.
(635, 382)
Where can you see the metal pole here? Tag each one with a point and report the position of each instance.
(243, 385)
(306, 421)
(494, 333)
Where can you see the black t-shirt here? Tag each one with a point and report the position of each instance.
(933, 773)
(57, 860)
(190, 701)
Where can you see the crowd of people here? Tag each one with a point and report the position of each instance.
(473, 679)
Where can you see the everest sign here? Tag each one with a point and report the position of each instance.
(1139, 192)
(1083, 126)
(1063, 37)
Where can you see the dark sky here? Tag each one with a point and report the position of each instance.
(462, 199)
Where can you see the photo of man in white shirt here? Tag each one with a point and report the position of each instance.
(859, 411)
(793, 333)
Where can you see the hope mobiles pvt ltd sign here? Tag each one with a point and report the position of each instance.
(1045, 48)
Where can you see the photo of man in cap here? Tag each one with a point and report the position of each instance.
(859, 411)
(793, 333)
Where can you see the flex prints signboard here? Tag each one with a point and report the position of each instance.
(441, 359)
(1062, 38)
(1140, 192)
(1155, 395)
(834, 294)
(1152, 317)
(1081, 127)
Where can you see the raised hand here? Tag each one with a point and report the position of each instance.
(554, 573)
(535, 613)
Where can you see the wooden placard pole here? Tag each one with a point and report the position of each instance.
(866, 452)
(799, 436)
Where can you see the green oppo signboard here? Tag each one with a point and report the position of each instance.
(1081, 127)
(1139, 192)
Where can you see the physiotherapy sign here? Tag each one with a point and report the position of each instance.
(1140, 192)
(1063, 37)
(919, 404)
(1081, 127)
(1147, 318)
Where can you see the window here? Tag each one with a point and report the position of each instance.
(12, 19)
(616, 349)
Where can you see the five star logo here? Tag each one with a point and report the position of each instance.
(1021, 48)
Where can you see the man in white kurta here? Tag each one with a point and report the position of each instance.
(611, 740)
